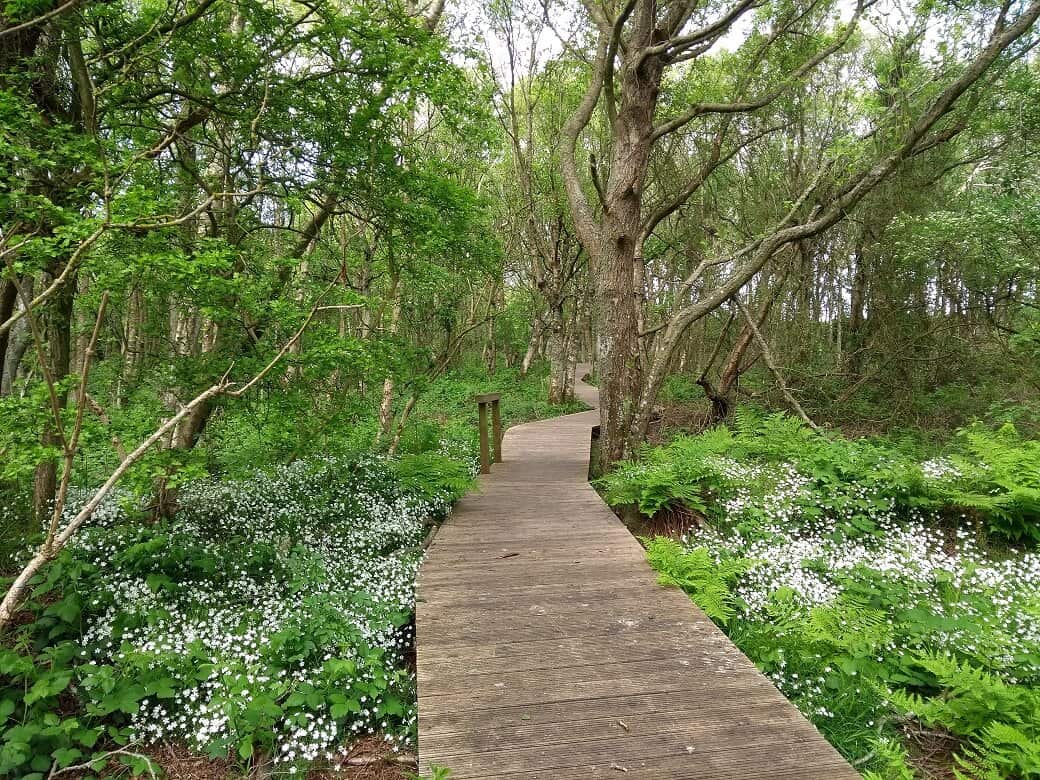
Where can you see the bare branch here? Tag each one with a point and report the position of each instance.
(18, 589)
(715, 160)
(713, 31)
(608, 79)
(774, 369)
(583, 220)
(89, 765)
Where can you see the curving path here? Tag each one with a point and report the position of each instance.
(547, 650)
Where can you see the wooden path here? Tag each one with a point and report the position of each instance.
(547, 651)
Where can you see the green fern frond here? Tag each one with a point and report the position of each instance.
(849, 624)
(695, 572)
(1000, 751)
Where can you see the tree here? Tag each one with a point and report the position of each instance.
(638, 44)
(533, 96)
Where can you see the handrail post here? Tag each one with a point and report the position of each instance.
(483, 401)
(496, 430)
(485, 461)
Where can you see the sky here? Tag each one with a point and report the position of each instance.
(472, 26)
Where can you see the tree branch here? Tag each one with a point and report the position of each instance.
(774, 369)
(583, 219)
(748, 106)
(67, 6)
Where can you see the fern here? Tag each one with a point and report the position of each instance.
(679, 473)
(1001, 480)
(1000, 751)
(970, 697)
(850, 626)
(1000, 722)
(431, 476)
(747, 420)
(706, 581)
(893, 761)
(776, 436)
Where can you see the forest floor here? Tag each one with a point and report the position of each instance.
(178, 762)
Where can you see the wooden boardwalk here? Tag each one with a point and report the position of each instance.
(546, 649)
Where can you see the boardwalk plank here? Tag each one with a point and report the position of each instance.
(541, 629)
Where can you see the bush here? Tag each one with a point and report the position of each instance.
(997, 474)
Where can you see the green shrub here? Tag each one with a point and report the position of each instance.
(997, 474)
(433, 477)
(1000, 721)
(994, 474)
(269, 617)
(681, 388)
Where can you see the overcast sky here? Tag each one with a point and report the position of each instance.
(472, 26)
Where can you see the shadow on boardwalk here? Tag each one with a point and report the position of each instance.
(547, 650)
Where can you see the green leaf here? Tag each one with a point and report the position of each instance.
(164, 688)
(125, 698)
(48, 686)
(66, 756)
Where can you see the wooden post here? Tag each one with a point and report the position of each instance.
(483, 401)
(496, 430)
(485, 460)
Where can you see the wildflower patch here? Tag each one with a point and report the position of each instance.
(268, 620)
(886, 597)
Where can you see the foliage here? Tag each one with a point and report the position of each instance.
(325, 184)
(706, 580)
(523, 398)
(998, 475)
(37, 735)
(269, 616)
(999, 720)
(436, 773)
(856, 577)
(685, 472)
(433, 477)
(994, 474)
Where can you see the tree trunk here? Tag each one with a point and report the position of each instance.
(617, 308)
(558, 363)
(572, 366)
(15, 352)
(559, 350)
(855, 335)
(57, 322)
(723, 395)
(533, 347)
(386, 404)
(8, 296)
(133, 347)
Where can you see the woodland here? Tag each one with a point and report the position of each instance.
(258, 256)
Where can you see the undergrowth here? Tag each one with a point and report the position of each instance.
(268, 620)
(881, 593)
